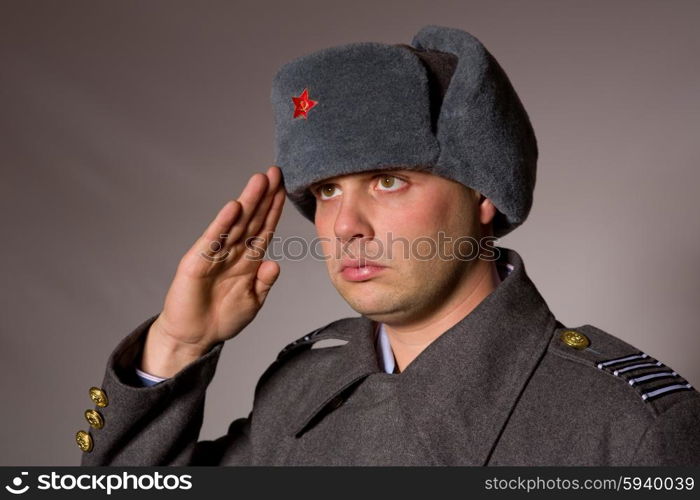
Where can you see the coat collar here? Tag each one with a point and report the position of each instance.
(458, 393)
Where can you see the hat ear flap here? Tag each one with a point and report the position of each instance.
(485, 135)
(439, 67)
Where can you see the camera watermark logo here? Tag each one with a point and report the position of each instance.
(17, 488)
(215, 251)
(107, 483)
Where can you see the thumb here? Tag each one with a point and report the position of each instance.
(267, 274)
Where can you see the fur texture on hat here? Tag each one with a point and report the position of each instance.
(443, 105)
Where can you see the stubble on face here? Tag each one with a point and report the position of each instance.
(420, 280)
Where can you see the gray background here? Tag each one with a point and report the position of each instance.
(125, 126)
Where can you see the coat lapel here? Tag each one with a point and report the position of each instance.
(354, 361)
(459, 392)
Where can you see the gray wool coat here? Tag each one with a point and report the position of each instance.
(504, 386)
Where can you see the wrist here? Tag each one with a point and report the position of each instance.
(164, 356)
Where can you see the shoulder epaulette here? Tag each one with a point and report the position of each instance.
(649, 377)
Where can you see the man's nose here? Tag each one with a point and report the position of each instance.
(351, 221)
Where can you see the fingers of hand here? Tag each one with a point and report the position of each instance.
(267, 274)
(238, 216)
(212, 242)
(258, 218)
(257, 244)
(253, 200)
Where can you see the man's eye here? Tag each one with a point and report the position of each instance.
(327, 191)
(390, 183)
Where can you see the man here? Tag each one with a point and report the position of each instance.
(409, 160)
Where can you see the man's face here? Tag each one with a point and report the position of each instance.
(394, 218)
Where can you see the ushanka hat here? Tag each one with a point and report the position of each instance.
(442, 104)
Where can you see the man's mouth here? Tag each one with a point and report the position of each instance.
(360, 270)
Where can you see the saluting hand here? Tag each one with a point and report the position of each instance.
(220, 283)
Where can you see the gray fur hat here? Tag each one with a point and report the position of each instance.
(443, 104)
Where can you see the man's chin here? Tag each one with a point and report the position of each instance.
(376, 310)
(361, 305)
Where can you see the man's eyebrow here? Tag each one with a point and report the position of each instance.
(366, 173)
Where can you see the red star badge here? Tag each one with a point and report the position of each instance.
(302, 104)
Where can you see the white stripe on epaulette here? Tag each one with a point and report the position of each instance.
(665, 390)
(622, 360)
(650, 376)
(634, 367)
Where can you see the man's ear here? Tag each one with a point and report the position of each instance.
(487, 210)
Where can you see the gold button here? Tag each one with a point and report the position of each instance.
(575, 339)
(98, 397)
(94, 419)
(84, 441)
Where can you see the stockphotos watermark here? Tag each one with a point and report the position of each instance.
(423, 248)
(101, 482)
